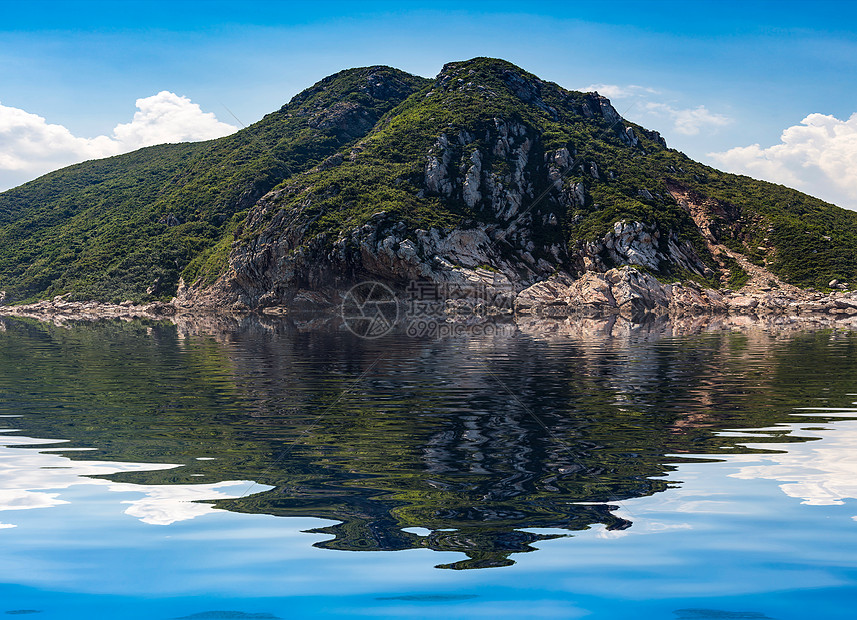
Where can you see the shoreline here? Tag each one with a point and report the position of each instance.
(548, 308)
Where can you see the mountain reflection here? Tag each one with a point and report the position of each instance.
(473, 442)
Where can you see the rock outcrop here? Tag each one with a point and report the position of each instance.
(638, 243)
(630, 293)
(58, 310)
(274, 270)
(627, 291)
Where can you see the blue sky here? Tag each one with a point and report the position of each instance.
(715, 78)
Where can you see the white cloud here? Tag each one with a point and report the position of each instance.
(28, 143)
(614, 91)
(686, 121)
(31, 479)
(167, 504)
(689, 121)
(167, 117)
(820, 473)
(819, 156)
(30, 146)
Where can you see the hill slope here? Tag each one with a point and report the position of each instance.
(127, 226)
(485, 172)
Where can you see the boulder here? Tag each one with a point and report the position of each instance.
(636, 292)
(743, 303)
(625, 291)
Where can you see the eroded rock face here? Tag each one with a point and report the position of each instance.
(631, 293)
(630, 137)
(708, 214)
(690, 300)
(437, 173)
(637, 243)
(473, 180)
(514, 197)
(625, 291)
(491, 180)
(274, 268)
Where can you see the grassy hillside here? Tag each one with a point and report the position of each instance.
(388, 173)
(127, 226)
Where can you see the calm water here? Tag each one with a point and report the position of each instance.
(268, 471)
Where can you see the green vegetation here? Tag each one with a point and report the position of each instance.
(738, 276)
(388, 173)
(807, 241)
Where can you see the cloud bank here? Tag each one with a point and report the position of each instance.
(686, 121)
(689, 121)
(30, 146)
(818, 156)
(820, 473)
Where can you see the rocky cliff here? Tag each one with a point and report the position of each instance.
(491, 177)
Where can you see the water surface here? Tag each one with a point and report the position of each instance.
(271, 470)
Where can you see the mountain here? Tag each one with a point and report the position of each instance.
(485, 173)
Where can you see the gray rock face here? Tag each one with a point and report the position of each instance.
(578, 194)
(631, 137)
(636, 243)
(562, 159)
(437, 173)
(280, 262)
(593, 170)
(469, 179)
(473, 181)
(625, 291)
(505, 239)
(743, 303)
(275, 267)
(608, 111)
(845, 302)
(656, 136)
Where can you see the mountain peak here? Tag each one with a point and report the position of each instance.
(487, 73)
(491, 78)
(480, 64)
(376, 81)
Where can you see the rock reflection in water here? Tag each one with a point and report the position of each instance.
(477, 441)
